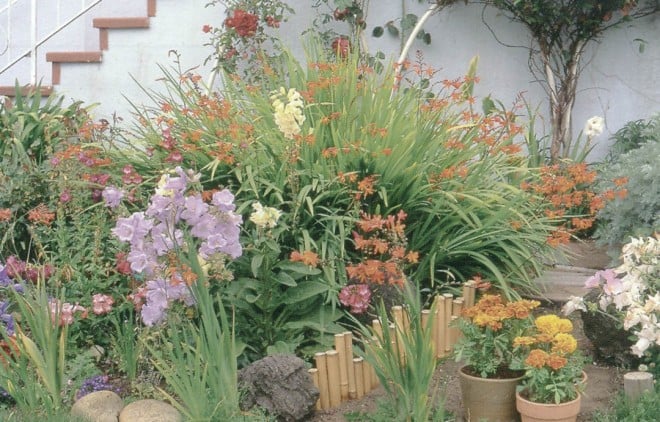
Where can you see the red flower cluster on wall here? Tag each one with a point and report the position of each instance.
(244, 23)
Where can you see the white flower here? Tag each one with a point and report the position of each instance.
(264, 217)
(593, 127)
(289, 116)
(574, 303)
(640, 347)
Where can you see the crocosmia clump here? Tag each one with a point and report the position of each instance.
(177, 213)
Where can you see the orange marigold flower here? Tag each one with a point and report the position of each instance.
(555, 361)
(537, 358)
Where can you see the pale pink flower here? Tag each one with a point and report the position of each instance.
(102, 304)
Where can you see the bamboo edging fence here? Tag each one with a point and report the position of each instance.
(340, 376)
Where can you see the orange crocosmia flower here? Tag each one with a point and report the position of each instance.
(412, 257)
(620, 181)
(537, 358)
(380, 246)
(307, 257)
(41, 215)
(622, 193)
(556, 361)
(398, 252)
(329, 152)
(387, 152)
(5, 214)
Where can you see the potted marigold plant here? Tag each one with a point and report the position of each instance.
(554, 376)
(488, 382)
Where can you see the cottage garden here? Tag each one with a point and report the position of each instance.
(300, 201)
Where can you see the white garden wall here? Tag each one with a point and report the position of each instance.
(619, 83)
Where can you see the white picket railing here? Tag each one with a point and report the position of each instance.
(13, 27)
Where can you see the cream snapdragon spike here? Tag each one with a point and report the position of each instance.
(157, 233)
(288, 106)
(632, 288)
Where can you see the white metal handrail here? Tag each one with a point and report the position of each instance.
(35, 42)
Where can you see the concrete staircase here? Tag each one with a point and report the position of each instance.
(60, 59)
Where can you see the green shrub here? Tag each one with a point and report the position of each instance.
(633, 135)
(637, 213)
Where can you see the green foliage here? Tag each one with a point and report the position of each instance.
(645, 409)
(126, 349)
(404, 365)
(31, 130)
(198, 360)
(31, 127)
(633, 135)
(34, 374)
(638, 213)
(280, 306)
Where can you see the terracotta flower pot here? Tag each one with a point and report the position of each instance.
(541, 412)
(489, 399)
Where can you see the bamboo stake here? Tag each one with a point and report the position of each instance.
(334, 389)
(448, 299)
(366, 373)
(340, 347)
(400, 331)
(378, 329)
(321, 365)
(359, 377)
(469, 293)
(441, 325)
(435, 334)
(454, 331)
(314, 372)
(348, 356)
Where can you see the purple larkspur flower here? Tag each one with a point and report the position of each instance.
(224, 200)
(143, 260)
(112, 196)
(6, 317)
(195, 208)
(166, 237)
(132, 229)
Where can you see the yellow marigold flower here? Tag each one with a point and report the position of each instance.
(565, 325)
(537, 358)
(524, 341)
(556, 361)
(548, 324)
(564, 343)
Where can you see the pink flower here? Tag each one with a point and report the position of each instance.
(65, 197)
(102, 304)
(65, 312)
(355, 296)
(612, 283)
